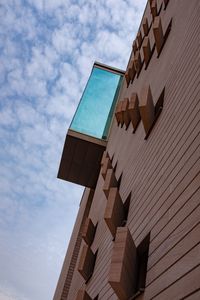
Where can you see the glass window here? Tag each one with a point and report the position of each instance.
(94, 113)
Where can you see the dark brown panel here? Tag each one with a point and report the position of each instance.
(86, 262)
(154, 9)
(106, 165)
(127, 77)
(137, 62)
(158, 33)
(146, 50)
(146, 107)
(110, 181)
(114, 212)
(139, 39)
(118, 112)
(88, 231)
(81, 158)
(126, 117)
(104, 156)
(145, 26)
(132, 71)
(133, 110)
(135, 47)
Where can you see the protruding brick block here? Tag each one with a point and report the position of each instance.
(110, 181)
(139, 39)
(145, 26)
(137, 62)
(83, 295)
(88, 231)
(118, 113)
(132, 70)
(125, 113)
(127, 77)
(107, 165)
(114, 213)
(146, 50)
(104, 156)
(158, 33)
(154, 9)
(133, 110)
(146, 107)
(134, 46)
(123, 269)
(86, 262)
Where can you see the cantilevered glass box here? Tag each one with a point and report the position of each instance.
(87, 136)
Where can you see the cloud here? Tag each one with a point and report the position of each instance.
(9, 293)
(47, 49)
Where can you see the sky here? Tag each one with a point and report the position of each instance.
(47, 49)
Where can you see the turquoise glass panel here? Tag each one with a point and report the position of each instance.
(94, 113)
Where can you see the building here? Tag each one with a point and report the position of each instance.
(137, 233)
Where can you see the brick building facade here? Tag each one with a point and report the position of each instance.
(137, 233)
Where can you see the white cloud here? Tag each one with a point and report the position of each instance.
(65, 40)
(48, 5)
(7, 117)
(41, 65)
(8, 293)
(4, 296)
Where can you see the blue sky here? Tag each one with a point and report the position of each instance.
(47, 49)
